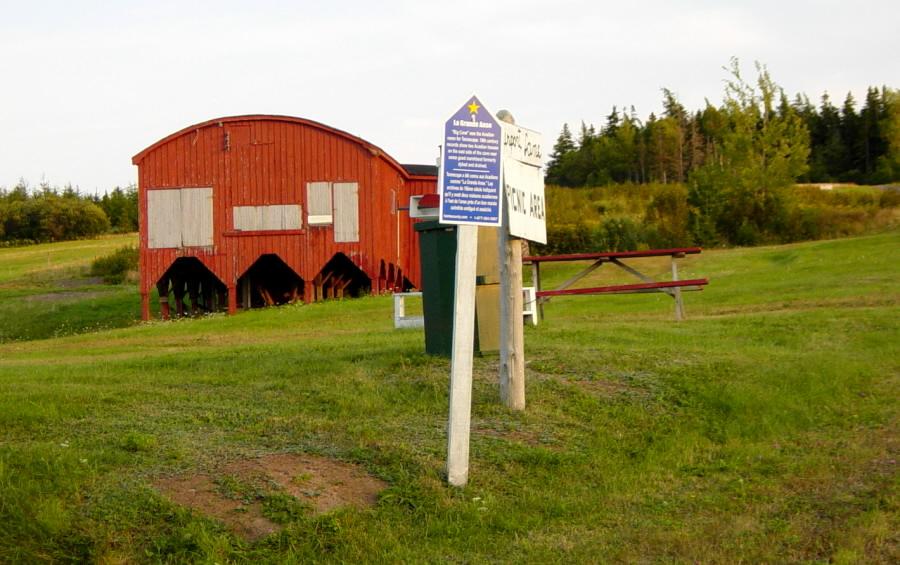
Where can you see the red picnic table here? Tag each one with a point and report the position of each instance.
(673, 288)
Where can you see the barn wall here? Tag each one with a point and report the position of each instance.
(268, 162)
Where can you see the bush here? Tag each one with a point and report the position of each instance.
(613, 234)
(619, 234)
(667, 218)
(890, 198)
(114, 268)
(566, 238)
(48, 216)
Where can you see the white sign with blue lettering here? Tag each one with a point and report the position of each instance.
(471, 167)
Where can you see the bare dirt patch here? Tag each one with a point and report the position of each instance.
(236, 494)
(201, 493)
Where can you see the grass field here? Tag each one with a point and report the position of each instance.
(44, 291)
(764, 428)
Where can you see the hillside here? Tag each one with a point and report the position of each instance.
(45, 290)
(764, 428)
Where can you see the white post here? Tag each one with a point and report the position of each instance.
(461, 361)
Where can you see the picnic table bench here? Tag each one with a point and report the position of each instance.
(673, 287)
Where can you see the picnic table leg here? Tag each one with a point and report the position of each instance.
(676, 294)
(536, 281)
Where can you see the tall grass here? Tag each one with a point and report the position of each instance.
(641, 216)
(116, 267)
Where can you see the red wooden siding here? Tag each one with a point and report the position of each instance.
(268, 160)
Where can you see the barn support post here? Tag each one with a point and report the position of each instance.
(194, 294)
(221, 298)
(206, 291)
(145, 306)
(164, 311)
(162, 288)
(178, 294)
(232, 300)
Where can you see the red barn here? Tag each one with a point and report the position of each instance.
(260, 210)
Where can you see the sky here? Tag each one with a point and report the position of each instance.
(86, 85)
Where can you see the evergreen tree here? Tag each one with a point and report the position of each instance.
(580, 165)
(677, 127)
(612, 123)
(888, 164)
(871, 140)
(851, 164)
(763, 152)
(826, 143)
(564, 147)
(640, 148)
(713, 123)
(121, 208)
(624, 166)
(695, 144)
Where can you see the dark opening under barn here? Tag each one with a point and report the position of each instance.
(269, 282)
(340, 278)
(188, 277)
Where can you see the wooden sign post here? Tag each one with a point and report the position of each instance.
(523, 217)
(512, 332)
(459, 420)
(470, 197)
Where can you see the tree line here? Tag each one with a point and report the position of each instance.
(845, 145)
(737, 160)
(49, 213)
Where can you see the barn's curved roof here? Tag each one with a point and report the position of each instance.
(405, 170)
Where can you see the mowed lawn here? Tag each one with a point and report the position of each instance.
(764, 428)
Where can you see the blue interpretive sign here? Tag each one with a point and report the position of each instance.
(470, 167)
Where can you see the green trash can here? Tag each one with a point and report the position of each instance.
(437, 258)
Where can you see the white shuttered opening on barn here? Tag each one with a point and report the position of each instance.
(267, 218)
(335, 203)
(318, 199)
(181, 217)
(346, 212)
